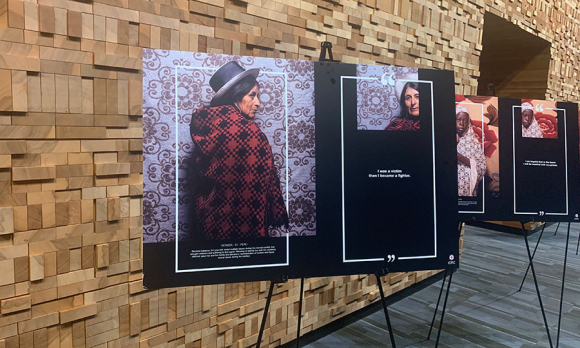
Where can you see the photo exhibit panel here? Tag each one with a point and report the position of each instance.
(477, 130)
(242, 182)
(240, 132)
(539, 152)
(391, 163)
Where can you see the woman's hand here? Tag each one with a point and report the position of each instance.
(463, 160)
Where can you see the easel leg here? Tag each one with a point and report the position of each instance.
(443, 310)
(393, 344)
(300, 312)
(437, 305)
(536, 283)
(534, 254)
(578, 246)
(265, 315)
(563, 283)
(557, 227)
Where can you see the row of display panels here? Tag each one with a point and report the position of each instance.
(261, 169)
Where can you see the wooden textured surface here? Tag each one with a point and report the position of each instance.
(70, 111)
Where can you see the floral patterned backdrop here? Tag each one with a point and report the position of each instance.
(377, 99)
(287, 110)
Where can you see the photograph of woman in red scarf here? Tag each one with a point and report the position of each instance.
(237, 186)
(408, 120)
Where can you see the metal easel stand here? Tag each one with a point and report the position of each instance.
(525, 233)
(325, 46)
(437, 305)
(450, 272)
(387, 317)
(267, 307)
(534, 254)
(461, 224)
(578, 246)
(563, 283)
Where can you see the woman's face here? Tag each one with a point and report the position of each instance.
(250, 102)
(527, 117)
(461, 123)
(412, 101)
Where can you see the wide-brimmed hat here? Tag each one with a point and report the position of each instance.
(227, 76)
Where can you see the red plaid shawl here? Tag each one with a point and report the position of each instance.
(237, 188)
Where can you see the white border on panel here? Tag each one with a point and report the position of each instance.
(344, 260)
(177, 270)
(514, 162)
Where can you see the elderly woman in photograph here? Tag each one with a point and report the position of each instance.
(471, 164)
(236, 183)
(408, 120)
(530, 127)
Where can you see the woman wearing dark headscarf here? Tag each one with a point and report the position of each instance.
(237, 186)
(408, 120)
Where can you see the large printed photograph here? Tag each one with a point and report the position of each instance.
(240, 131)
(477, 136)
(539, 119)
(388, 99)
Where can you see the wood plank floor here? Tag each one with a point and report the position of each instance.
(485, 309)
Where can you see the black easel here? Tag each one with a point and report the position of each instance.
(387, 317)
(461, 224)
(437, 305)
(300, 312)
(563, 283)
(267, 307)
(325, 46)
(525, 233)
(534, 254)
(578, 246)
(557, 227)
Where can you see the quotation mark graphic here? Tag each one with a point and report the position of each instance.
(540, 107)
(391, 258)
(542, 213)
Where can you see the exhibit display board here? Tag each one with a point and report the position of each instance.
(259, 169)
(531, 145)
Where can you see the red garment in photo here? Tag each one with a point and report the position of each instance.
(403, 124)
(237, 189)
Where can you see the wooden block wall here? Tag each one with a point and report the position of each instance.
(71, 159)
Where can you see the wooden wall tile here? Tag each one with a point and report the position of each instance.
(6, 221)
(74, 24)
(102, 255)
(31, 16)
(19, 91)
(48, 92)
(5, 90)
(61, 21)
(113, 209)
(36, 267)
(15, 304)
(46, 19)
(34, 91)
(16, 14)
